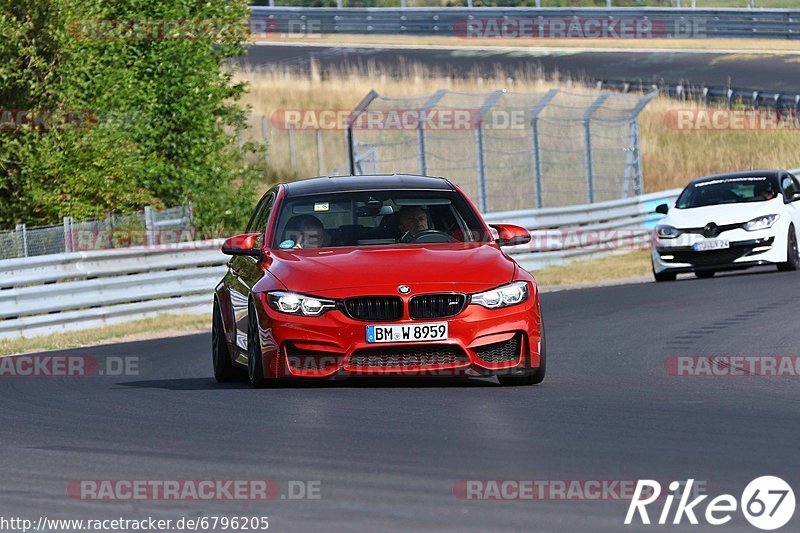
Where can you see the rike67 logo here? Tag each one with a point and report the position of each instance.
(767, 503)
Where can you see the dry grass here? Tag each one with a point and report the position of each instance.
(613, 267)
(760, 45)
(670, 157)
(166, 325)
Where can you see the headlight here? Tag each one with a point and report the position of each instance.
(298, 304)
(510, 294)
(667, 232)
(761, 223)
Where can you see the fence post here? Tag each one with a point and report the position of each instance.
(633, 161)
(21, 228)
(69, 245)
(265, 135)
(587, 141)
(421, 157)
(536, 149)
(292, 156)
(348, 130)
(149, 225)
(320, 154)
(483, 201)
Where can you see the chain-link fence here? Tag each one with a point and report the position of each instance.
(507, 150)
(145, 228)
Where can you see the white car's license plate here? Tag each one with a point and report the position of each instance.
(711, 245)
(408, 332)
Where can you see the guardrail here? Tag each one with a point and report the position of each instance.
(452, 21)
(79, 290)
(563, 234)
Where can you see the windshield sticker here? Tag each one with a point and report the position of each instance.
(322, 206)
(731, 180)
(287, 244)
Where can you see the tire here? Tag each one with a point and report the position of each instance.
(792, 254)
(664, 276)
(535, 377)
(224, 371)
(255, 360)
(704, 274)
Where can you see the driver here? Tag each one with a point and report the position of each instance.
(306, 231)
(411, 219)
(764, 190)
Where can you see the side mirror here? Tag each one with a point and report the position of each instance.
(510, 235)
(663, 209)
(242, 245)
(795, 197)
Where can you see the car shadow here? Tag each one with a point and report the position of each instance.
(195, 384)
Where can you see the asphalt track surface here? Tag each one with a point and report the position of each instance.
(769, 72)
(388, 454)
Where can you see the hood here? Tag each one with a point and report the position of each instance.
(472, 267)
(697, 217)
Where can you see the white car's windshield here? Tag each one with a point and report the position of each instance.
(731, 190)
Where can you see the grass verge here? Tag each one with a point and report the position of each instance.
(760, 45)
(596, 271)
(165, 325)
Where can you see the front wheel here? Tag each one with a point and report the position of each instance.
(536, 376)
(255, 359)
(224, 370)
(792, 255)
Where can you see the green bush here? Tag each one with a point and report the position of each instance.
(160, 112)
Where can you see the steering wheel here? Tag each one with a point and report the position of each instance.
(426, 236)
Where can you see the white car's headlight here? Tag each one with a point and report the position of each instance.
(761, 223)
(510, 294)
(667, 232)
(299, 304)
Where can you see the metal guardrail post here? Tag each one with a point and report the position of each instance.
(479, 148)
(149, 226)
(348, 131)
(421, 157)
(587, 141)
(536, 150)
(69, 244)
(21, 228)
(320, 155)
(292, 155)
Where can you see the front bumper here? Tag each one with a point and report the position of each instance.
(481, 342)
(747, 249)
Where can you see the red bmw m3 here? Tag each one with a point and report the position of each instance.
(389, 275)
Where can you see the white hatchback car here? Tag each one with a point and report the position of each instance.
(728, 222)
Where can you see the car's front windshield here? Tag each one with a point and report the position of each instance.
(731, 190)
(372, 218)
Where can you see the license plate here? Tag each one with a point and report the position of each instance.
(710, 245)
(407, 333)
